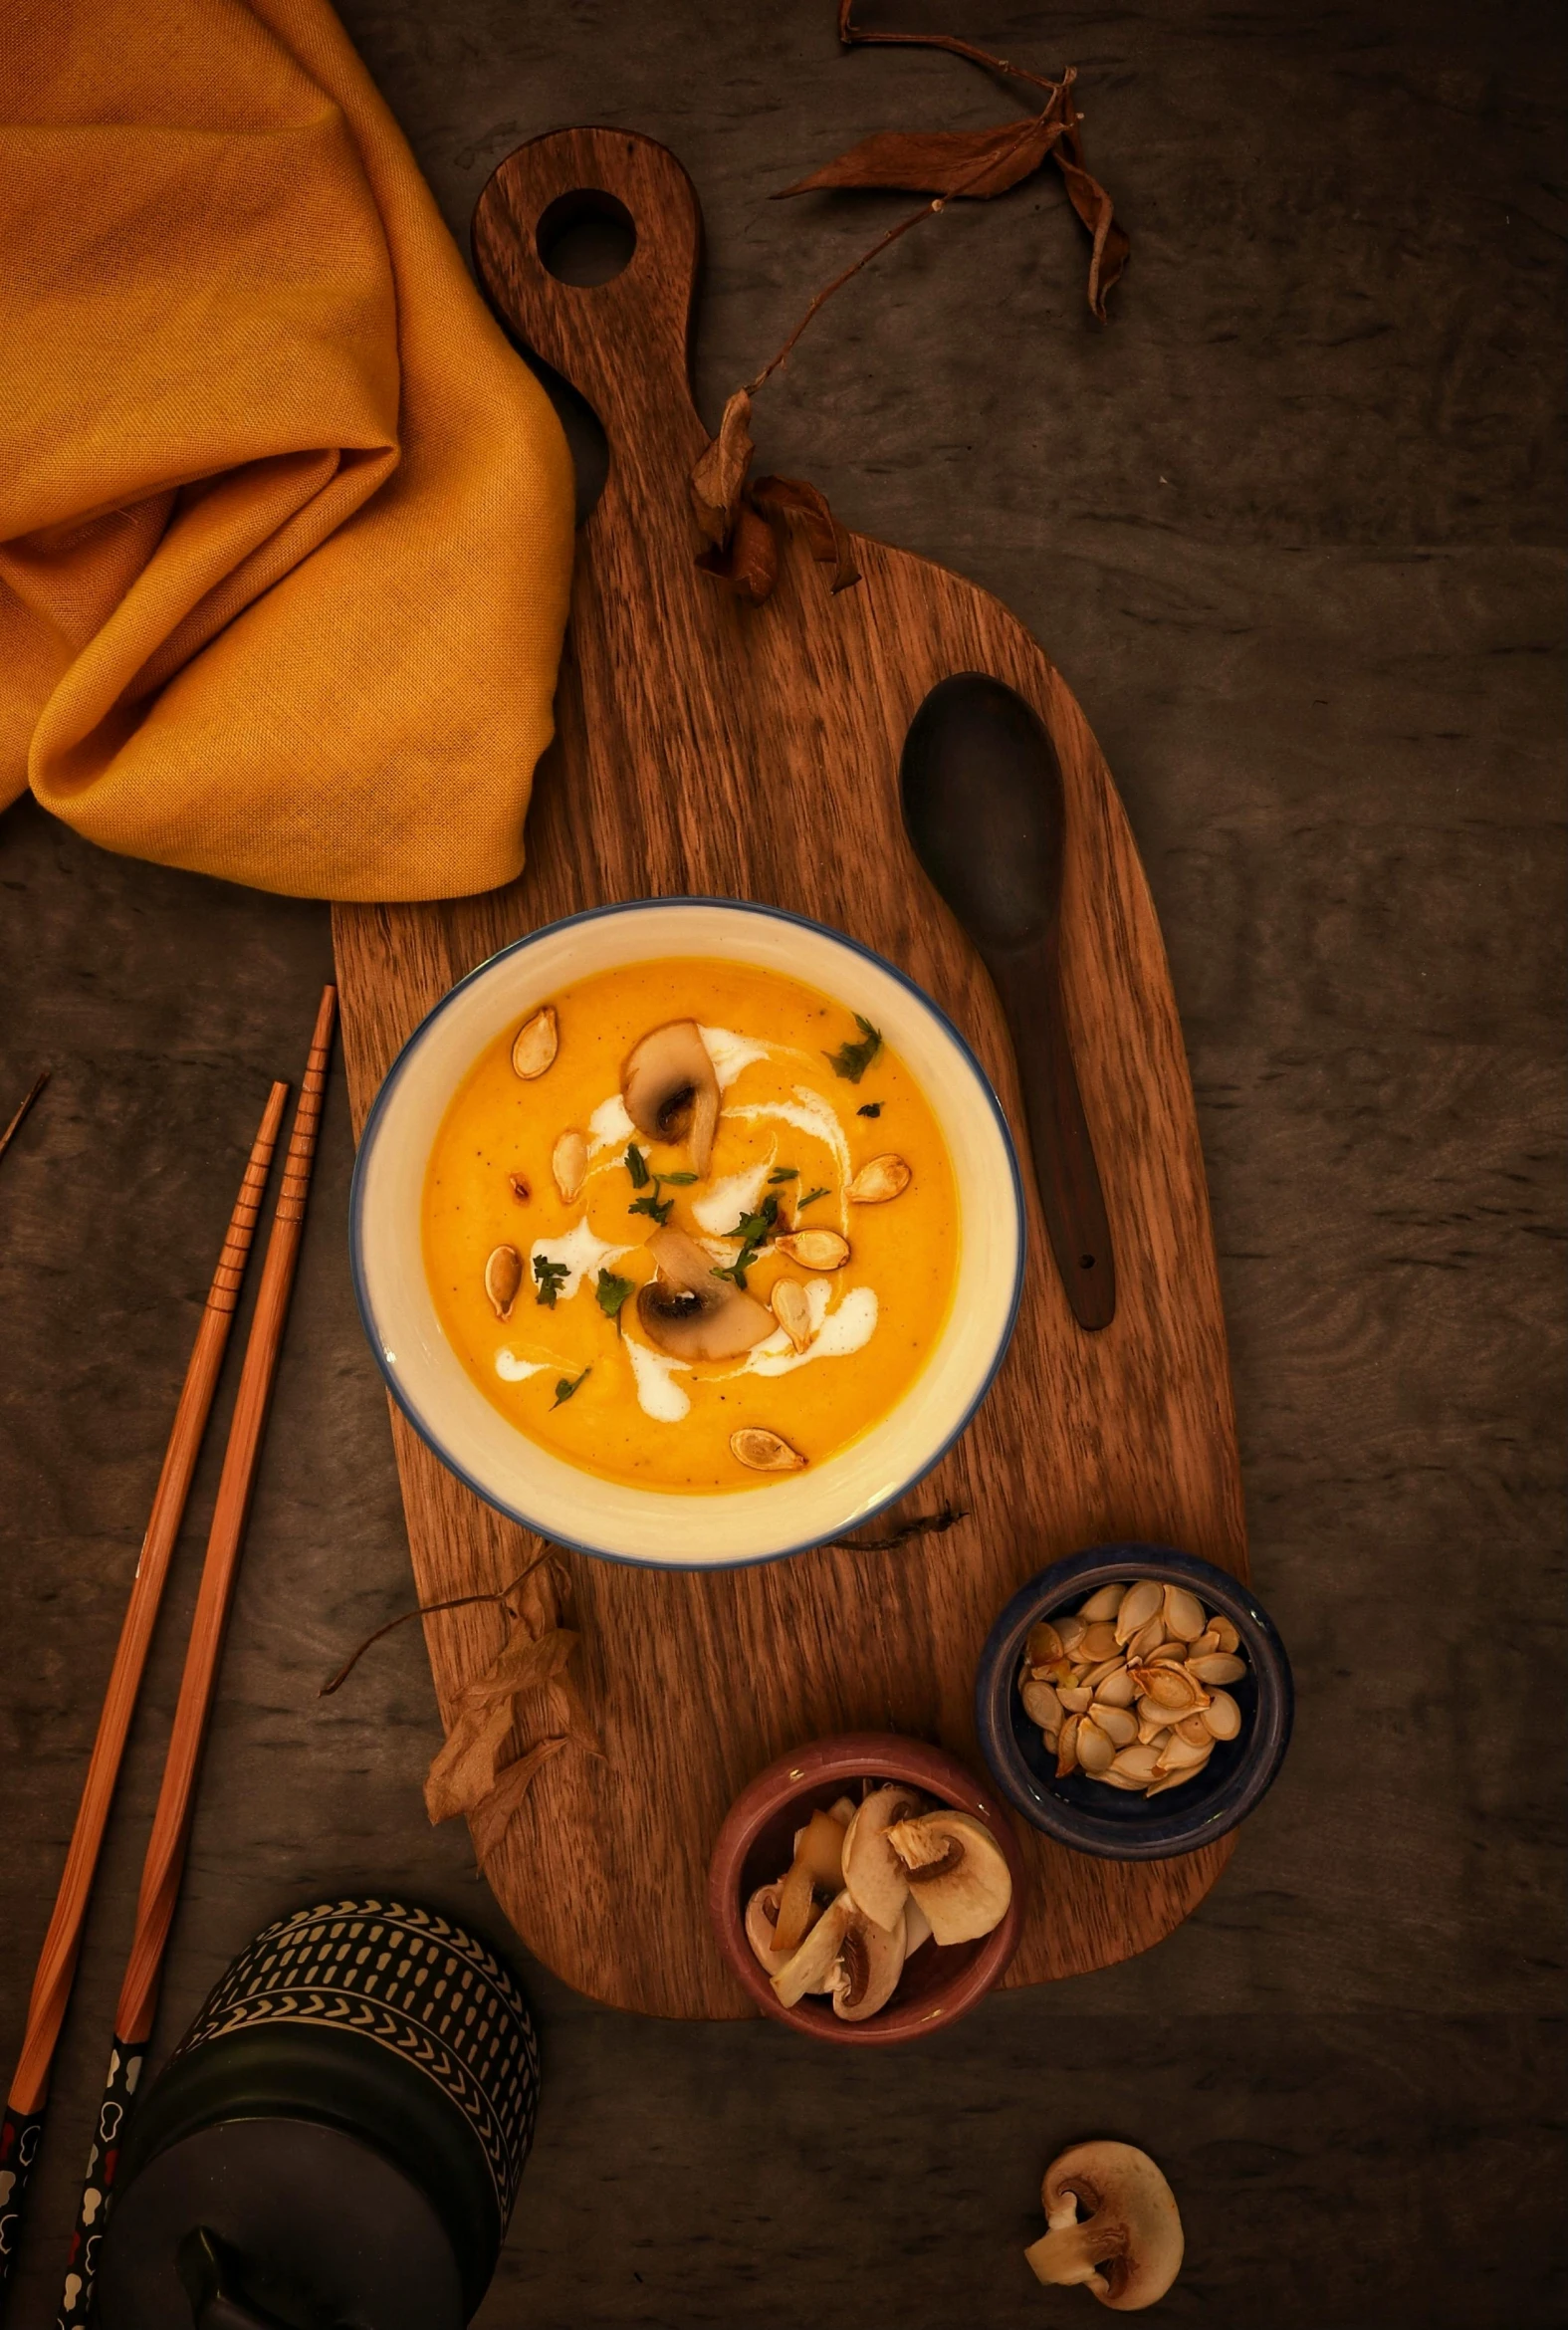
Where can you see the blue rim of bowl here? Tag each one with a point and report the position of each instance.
(356, 1208)
(1157, 1835)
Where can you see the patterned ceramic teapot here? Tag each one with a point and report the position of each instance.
(338, 2139)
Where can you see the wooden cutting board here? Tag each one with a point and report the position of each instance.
(707, 745)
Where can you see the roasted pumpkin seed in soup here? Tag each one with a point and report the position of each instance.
(1130, 1688)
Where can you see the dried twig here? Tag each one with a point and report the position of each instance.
(966, 184)
(429, 1610)
(855, 36)
(11, 1130)
(924, 1524)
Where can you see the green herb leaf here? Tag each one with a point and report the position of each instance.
(810, 1197)
(870, 1108)
(851, 1061)
(676, 1180)
(658, 1209)
(636, 1166)
(756, 1229)
(609, 1294)
(784, 1173)
(567, 1385)
(547, 1277)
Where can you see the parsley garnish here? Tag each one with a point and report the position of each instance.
(655, 1205)
(851, 1061)
(810, 1197)
(609, 1294)
(567, 1385)
(547, 1277)
(754, 1230)
(784, 1173)
(871, 1108)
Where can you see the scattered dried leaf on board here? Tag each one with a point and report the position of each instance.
(827, 539)
(465, 1770)
(568, 1715)
(523, 1666)
(493, 1815)
(525, 1687)
(747, 562)
(720, 475)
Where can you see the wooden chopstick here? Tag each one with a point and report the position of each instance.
(22, 2129)
(165, 1855)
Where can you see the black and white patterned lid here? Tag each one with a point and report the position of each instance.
(410, 1980)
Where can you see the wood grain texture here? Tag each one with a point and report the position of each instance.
(705, 745)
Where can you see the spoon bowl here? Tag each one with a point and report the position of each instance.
(987, 830)
(984, 810)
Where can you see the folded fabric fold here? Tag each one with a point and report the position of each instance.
(284, 522)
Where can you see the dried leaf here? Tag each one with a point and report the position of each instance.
(545, 1591)
(973, 163)
(569, 1713)
(1087, 196)
(1093, 205)
(748, 563)
(491, 1816)
(829, 541)
(523, 1666)
(465, 1770)
(719, 476)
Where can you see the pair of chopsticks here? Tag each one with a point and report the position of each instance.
(22, 2127)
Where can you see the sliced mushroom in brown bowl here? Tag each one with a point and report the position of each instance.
(866, 1889)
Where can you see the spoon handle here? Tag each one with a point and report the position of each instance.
(1065, 1173)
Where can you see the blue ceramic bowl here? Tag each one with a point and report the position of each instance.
(1082, 1812)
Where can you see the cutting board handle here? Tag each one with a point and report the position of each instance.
(622, 344)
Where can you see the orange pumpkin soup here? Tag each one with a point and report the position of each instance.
(691, 1225)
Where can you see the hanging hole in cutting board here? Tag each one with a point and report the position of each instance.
(586, 238)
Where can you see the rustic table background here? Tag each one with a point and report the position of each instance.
(1291, 528)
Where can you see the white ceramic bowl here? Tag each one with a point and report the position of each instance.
(666, 1528)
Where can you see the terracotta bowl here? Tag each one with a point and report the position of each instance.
(755, 1847)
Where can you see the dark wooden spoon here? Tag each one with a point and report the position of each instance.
(984, 811)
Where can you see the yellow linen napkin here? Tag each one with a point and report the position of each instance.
(285, 524)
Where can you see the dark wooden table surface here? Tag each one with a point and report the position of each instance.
(1292, 529)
